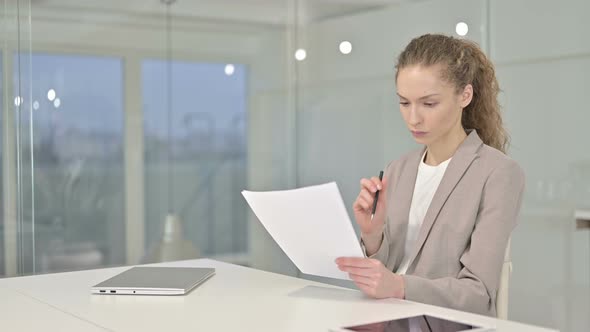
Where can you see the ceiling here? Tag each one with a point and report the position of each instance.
(275, 12)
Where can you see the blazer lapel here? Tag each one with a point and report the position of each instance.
(461, 161)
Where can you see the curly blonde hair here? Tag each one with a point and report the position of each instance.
(464, 63)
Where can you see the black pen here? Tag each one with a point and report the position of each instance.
(376, 196)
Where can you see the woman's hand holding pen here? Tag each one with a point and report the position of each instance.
(371, 228)
(370, 275)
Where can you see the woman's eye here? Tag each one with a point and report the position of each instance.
(403, 103)
(430, 104)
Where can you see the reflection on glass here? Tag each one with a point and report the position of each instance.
(77, 142)
(207, 151)
(345, 47)
(462, 28)
(1, 169)
(300, 54)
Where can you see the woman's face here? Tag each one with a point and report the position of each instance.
(430, 106)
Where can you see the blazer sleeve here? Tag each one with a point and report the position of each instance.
(475, 287)
(382, 254)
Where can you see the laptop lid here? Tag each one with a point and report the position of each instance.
(154, 281)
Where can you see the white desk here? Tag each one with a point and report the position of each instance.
(17, 310)
(235, 299)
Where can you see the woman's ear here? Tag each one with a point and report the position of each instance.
(466, 95)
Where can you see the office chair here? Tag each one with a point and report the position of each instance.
(502, 295)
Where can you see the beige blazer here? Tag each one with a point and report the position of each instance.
(458, 257)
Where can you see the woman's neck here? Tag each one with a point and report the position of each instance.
(445, 147)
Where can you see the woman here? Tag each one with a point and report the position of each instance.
(445, 212)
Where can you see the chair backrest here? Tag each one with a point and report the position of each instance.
(502, 295)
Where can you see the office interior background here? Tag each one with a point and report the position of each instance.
(129, 128)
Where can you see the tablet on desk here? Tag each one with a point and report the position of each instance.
(154, 281)
(423, 323)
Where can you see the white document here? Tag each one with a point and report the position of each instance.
(310, 224)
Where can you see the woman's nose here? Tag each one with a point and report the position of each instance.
(414, 118)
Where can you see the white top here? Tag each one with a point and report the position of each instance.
(427, 182)
(236, 298)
